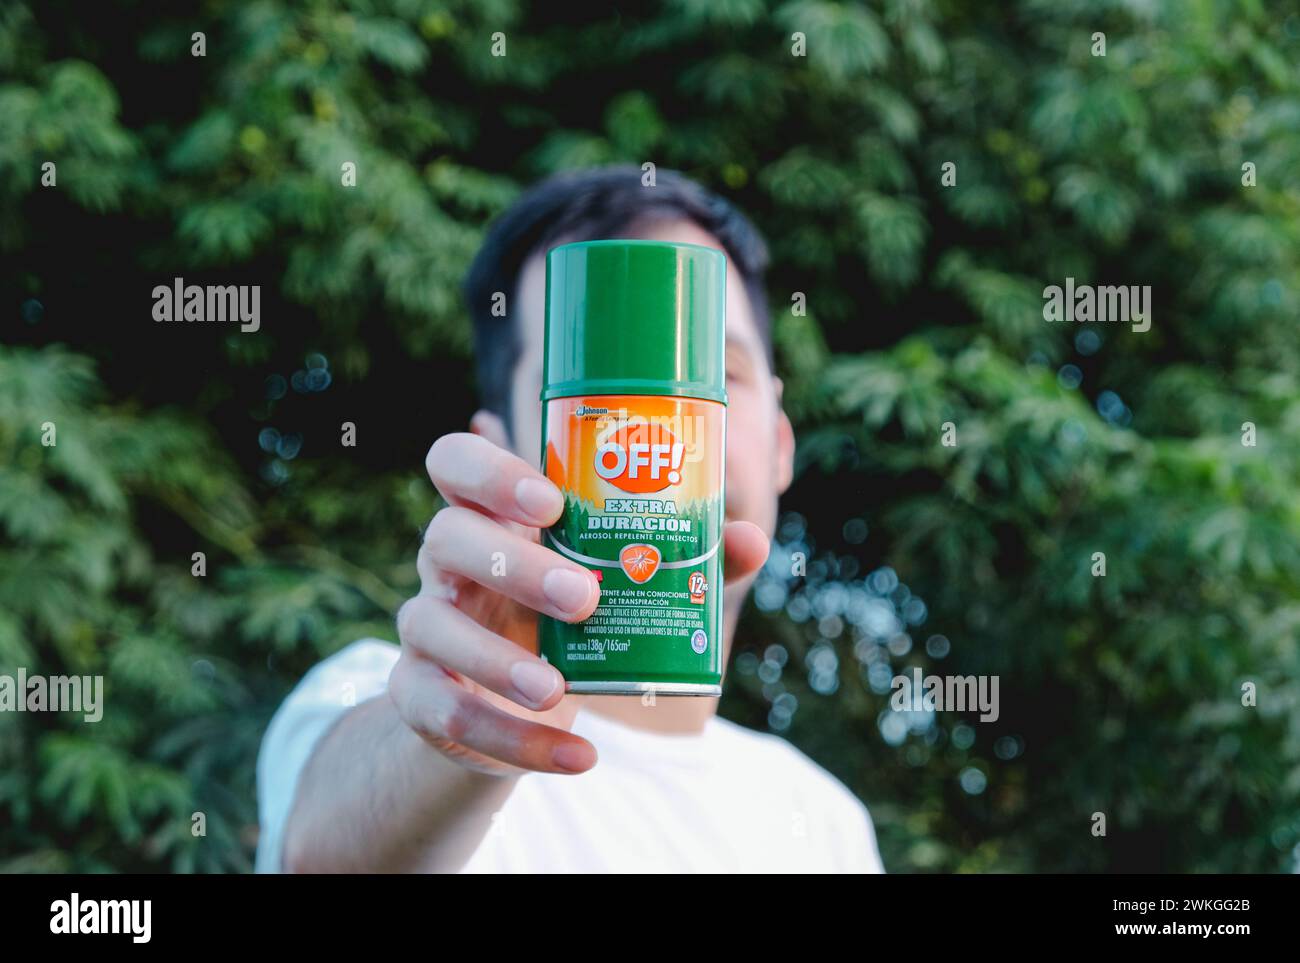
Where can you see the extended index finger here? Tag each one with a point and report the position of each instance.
(471, 471)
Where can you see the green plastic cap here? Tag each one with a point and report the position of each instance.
(635, 317)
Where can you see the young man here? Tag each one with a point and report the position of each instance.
(459, 751)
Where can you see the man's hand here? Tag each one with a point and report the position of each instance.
(469, 680)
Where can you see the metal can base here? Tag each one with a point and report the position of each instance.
(641, 688)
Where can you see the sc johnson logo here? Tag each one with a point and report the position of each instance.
(129, 916)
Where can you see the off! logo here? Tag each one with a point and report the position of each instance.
(640, 458)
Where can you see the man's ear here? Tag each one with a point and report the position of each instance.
(784, 443)
(490, 426)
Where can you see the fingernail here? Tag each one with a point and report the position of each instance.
(534, 680)
(567, 590)
(539, 500)
(574, 756)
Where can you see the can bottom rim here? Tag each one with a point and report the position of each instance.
(641, 688)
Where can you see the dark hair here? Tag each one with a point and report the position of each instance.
(588, 205)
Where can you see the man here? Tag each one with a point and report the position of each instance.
(459, 751)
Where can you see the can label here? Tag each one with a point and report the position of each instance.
(642, 478)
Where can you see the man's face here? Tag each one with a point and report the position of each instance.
(760, 442)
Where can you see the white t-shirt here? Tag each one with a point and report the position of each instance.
(725, 800)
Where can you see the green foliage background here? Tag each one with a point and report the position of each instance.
(1119, 695)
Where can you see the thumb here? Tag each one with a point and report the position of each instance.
(489, 425)
(746, 549)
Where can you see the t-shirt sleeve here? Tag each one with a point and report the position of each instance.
(347, 678)
(849, 831)
(835, 819)
(861, 848)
